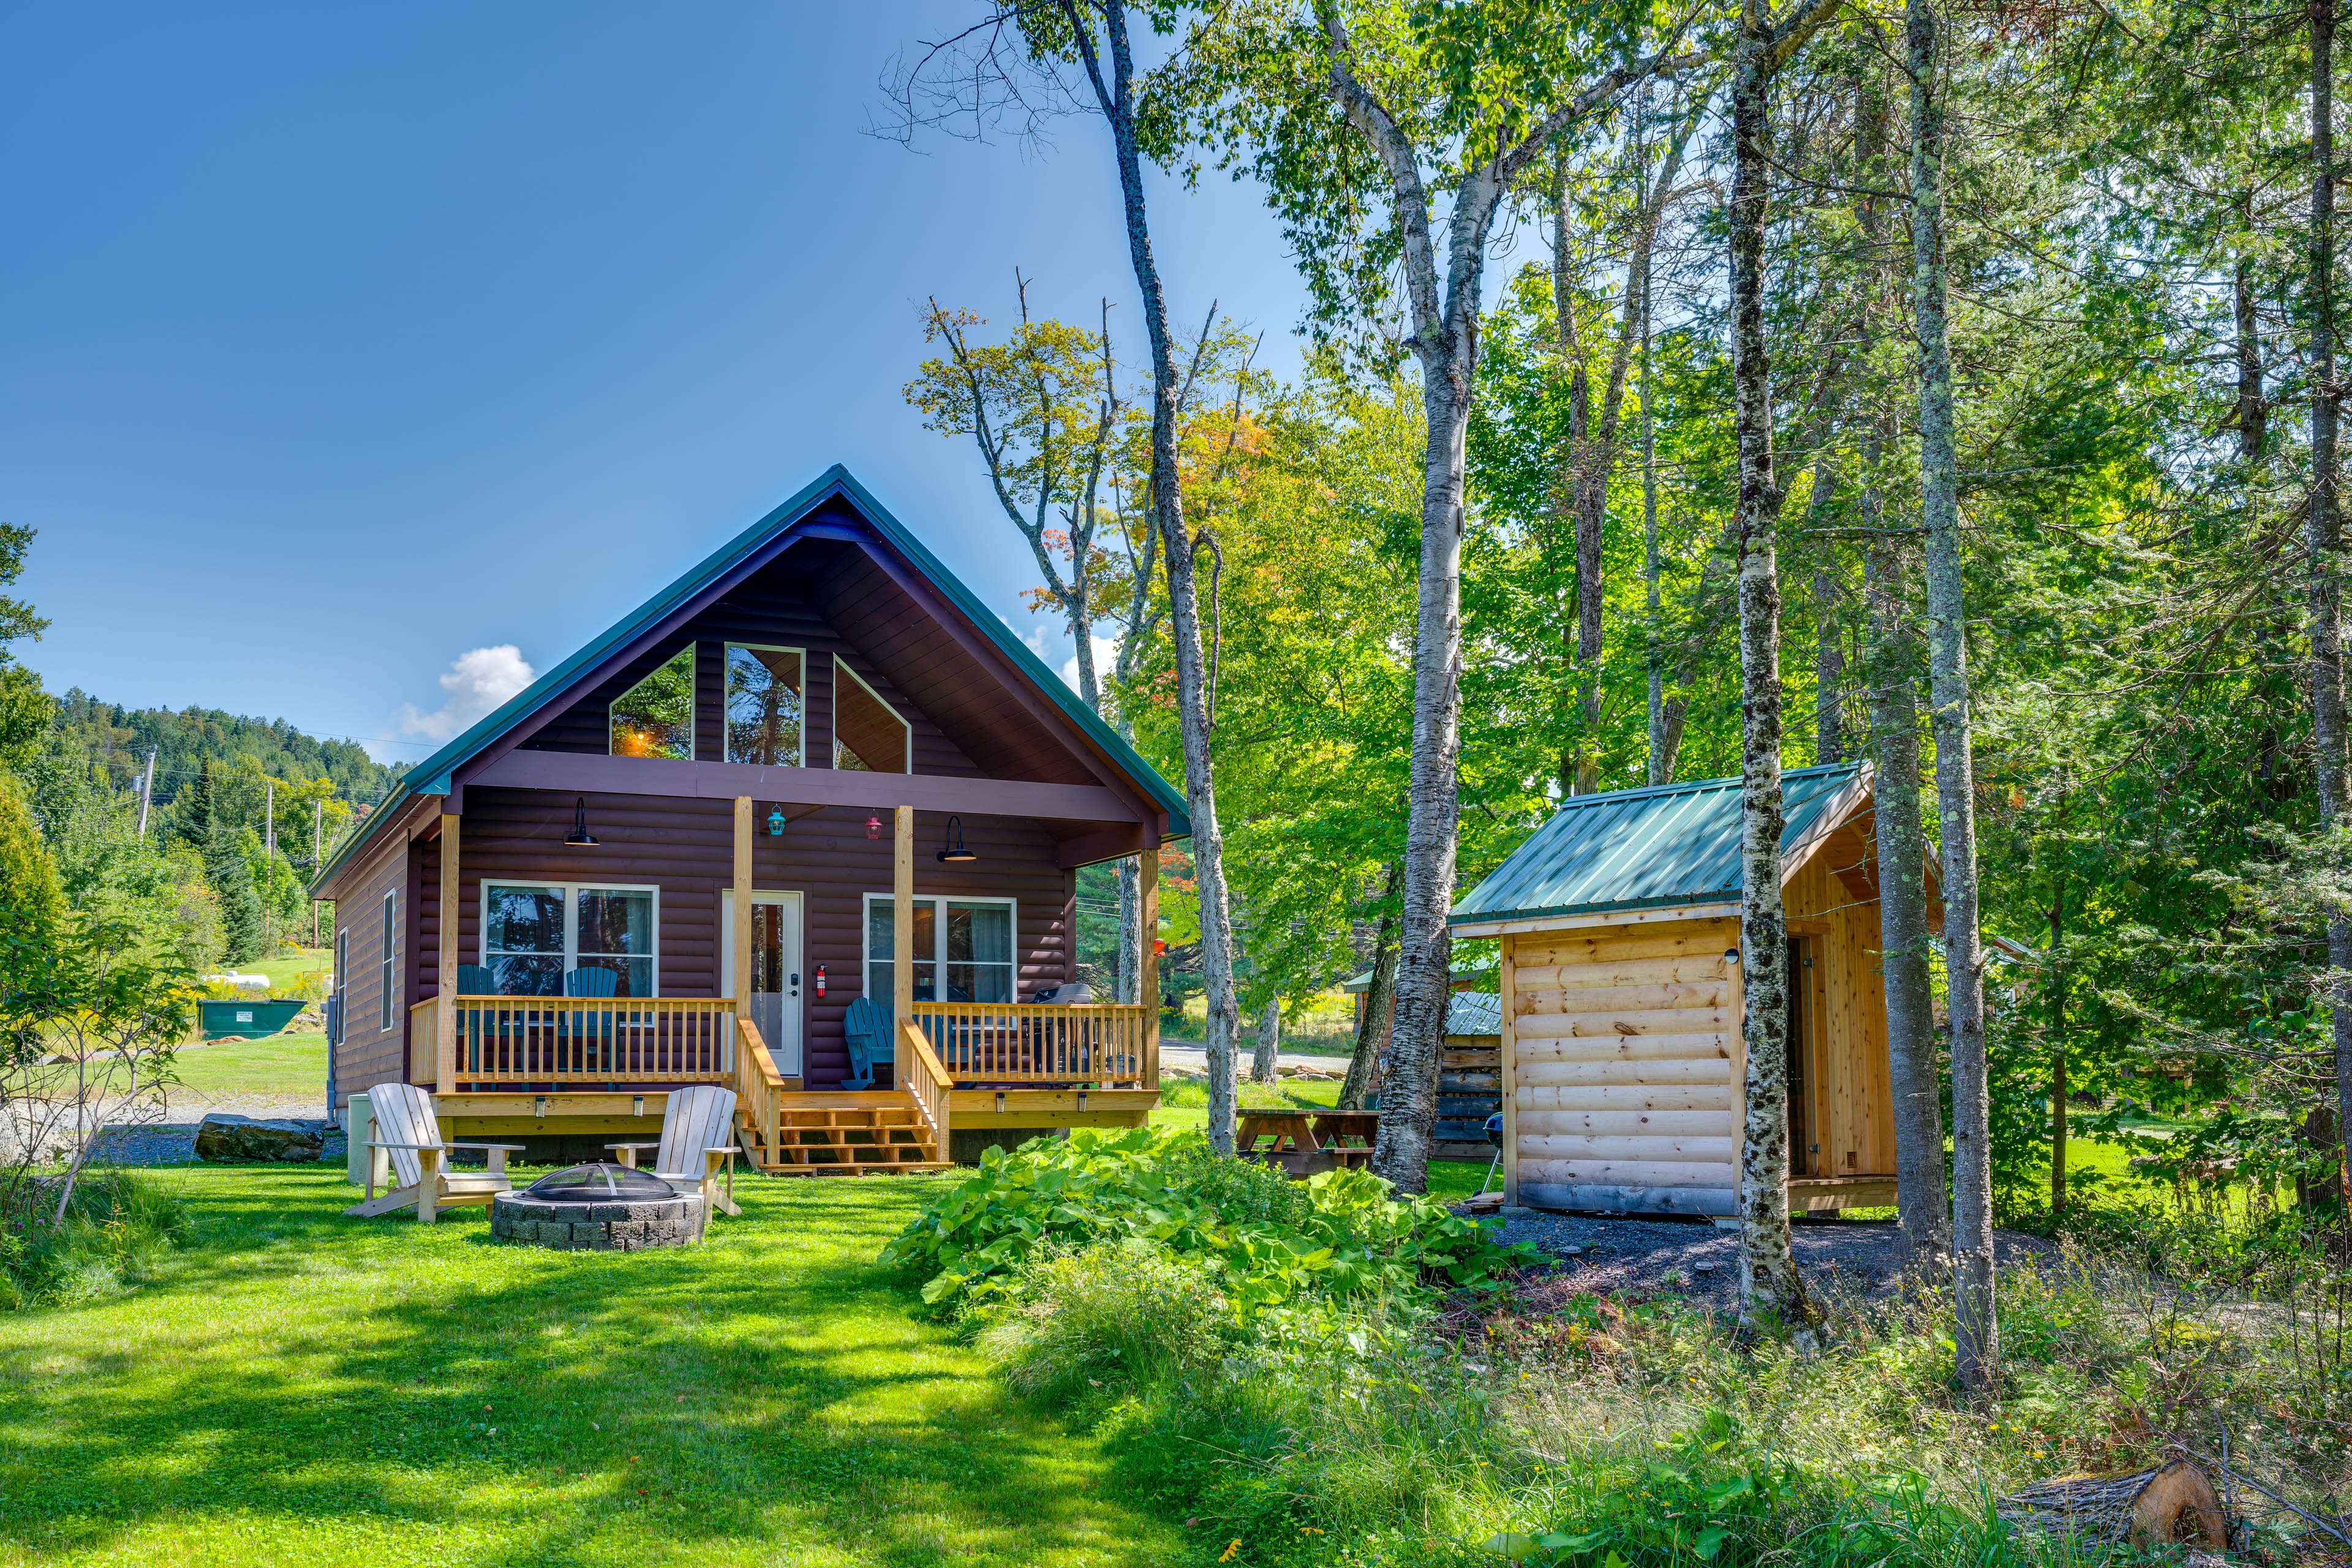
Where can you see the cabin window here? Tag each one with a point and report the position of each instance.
(535, 933)
(342, 980)
(387, 1000)
(764, 686)
(867, 733)
(968, 941)
(655, 718)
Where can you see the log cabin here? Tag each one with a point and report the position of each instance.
(1623, 1073)
(813, 768)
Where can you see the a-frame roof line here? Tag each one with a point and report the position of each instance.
(432, 776)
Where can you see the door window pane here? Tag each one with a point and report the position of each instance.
(655, 718)
(616, 933)
(522, 939)
(980, 953)
(763, 706)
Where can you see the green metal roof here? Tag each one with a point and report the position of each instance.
(432, 776)
(1643, 849)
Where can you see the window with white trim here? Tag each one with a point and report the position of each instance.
(765, 688)
(536, 933)
(655, 718)
(868, 735)
(343, 981)
(387, 1001)
(968, 941)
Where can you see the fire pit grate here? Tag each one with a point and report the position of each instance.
(599, 1207)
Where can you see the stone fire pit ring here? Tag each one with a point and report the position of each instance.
(599, 1209)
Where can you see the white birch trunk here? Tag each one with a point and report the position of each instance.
(1269, 1042)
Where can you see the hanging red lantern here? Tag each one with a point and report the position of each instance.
(873, 828)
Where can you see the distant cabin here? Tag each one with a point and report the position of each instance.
(1622, 1070)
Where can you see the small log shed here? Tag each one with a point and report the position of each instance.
(1622, 1068)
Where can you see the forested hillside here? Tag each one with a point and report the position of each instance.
(120, 738)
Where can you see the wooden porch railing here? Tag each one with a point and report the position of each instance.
(920, 1074)
(1109, 1044)
(758, 1085)
(425, 1042)
(577, 1039)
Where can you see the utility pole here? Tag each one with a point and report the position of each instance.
(147, 792)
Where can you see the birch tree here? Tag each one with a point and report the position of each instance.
(1767, 1266)
(1428, 118)
(1020, 64)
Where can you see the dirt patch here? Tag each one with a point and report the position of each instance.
(1595, 1256)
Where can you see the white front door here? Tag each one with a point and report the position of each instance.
(775, 971)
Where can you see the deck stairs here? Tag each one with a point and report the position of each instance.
(854, 1133)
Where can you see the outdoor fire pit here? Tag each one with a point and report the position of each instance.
(602, 1208)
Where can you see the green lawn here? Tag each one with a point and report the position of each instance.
(300, 960)
(1452, 1179)
(294, 1066)
(305, 1390)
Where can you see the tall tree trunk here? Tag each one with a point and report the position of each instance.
(1894, 667)
(1269, 1042)
(1976, 1330)
(1376, 997)
(2253, 408)
(1115, 94)
(2324, 529)
(1768, 1275)
(1661, 758)
(1580, 770)
(2057, 1054)
(1131, 931)
(1829, 645)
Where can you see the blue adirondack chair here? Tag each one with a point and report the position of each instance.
(595, 983)
(867, 1025)
(477, 980)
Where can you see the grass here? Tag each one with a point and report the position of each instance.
(286, 965)
(287, 1066)
(303, 1389)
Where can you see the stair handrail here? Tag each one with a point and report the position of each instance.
(923, 1076)
(757, 1086)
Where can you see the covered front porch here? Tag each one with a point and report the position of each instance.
(959, 1073)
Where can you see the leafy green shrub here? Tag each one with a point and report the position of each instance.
(118, 1232)
(1129, 1315)
(1267, 1240)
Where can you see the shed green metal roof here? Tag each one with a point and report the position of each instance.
(1644, 848)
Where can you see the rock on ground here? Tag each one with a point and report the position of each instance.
(225, 1135)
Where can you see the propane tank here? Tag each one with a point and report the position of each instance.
(820, 980)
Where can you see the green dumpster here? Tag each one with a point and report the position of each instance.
(248, 1019)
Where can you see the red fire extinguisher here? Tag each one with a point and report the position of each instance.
(820, 980)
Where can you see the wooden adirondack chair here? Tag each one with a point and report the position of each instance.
(408, 1140)
(698, 1140)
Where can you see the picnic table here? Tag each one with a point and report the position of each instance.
(1304, 1140)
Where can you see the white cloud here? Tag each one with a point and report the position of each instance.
(479, 680)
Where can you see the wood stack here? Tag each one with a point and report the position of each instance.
(2175, 1505)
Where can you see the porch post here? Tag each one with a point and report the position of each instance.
(1147, 990)
(739, 942)
(902, 916)
(445, 1016)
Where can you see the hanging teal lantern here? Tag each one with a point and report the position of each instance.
(776, 823)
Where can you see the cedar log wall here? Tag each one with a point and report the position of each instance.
(1627, 1064)
(686, 846)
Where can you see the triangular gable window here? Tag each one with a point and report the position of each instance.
(867, 733)
(655, 718)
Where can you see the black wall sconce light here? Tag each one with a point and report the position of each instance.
(776, 822)
(580, 837)
(953, 853)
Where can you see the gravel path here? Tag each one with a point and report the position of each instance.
(172, 1140)
(1618, 1257)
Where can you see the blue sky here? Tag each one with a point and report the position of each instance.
(340, 342)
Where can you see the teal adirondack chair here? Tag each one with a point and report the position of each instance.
(867, 1025)
(596, 1029)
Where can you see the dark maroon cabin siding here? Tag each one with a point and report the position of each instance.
(686, 848)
